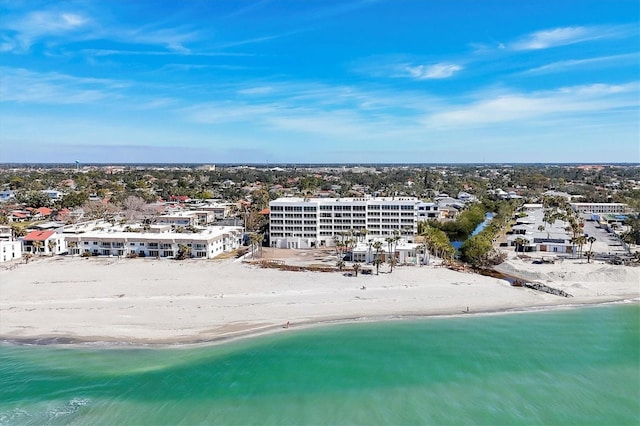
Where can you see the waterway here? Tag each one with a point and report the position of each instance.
(487, 219)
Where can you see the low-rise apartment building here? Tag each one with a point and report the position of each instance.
(539, 236)
(600, 207)
(315, 222)
(10, 249)
(208, 243)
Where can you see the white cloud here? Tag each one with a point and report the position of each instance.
(601, 61)
(567, 101)
(435, 71)
(19, 85)
(563, 36)
(41, 24)
(56, 25)
(259, 90)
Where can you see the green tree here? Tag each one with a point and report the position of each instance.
(475, 250)
(33, 199)
(37, 246)
(377, 260)
(52, 246)
(520, 242)
(74, 199)
(356, 268)
(184, 252)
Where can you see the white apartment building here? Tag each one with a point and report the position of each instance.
(209, 243)
(219, 210)
(428, 211)
(314, 222)
(553, 238)
(10, 249)
(600, 207)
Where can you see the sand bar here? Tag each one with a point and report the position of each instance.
(148, 301)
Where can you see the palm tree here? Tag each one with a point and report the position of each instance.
(184, 252)
(340, 264)
(580, 240)
(421, 250)
(591, 240)
(520, 242)
(389, 241)
(37, 246)
(356, 268)
(589, 255)
(27, 256)
(377, 260)
(255, 240)
(52, 246)
(542, 228)
(392, 262)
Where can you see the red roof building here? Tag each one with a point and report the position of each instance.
(39, 235)
(44, 211)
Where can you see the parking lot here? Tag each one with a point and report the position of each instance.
(606, 243)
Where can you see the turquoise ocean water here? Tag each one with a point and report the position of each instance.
(575, 366)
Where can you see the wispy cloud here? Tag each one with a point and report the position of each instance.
(248, 9)
(563, 36)
(57, 25)
(435, 71)
(601, 61)
(509, 107)
(19, 85)
(259, 90)
(41, 24)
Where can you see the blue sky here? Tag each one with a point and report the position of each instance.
(320, 81)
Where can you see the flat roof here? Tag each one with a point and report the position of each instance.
(206, 235)
(344, 199)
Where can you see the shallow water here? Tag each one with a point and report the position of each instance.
(577, 366)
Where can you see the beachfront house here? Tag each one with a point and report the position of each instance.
(44, 242)
(403, 251)
(162, 242)
(10, 249)
(531, 234)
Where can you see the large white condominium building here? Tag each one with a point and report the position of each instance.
(314, 222)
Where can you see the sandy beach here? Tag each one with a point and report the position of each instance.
(149, 301)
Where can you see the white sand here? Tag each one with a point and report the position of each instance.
(167, 301)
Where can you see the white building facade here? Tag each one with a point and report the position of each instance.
(315, 222)
(10, 249)
(208, 243)
(600, 207)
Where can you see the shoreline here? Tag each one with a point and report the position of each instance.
(62, 341)
(69, 301)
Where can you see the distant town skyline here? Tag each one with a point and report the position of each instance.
(355, 81)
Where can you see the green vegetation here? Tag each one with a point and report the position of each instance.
(478, 250)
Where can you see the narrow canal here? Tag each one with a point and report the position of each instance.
(487, 219)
